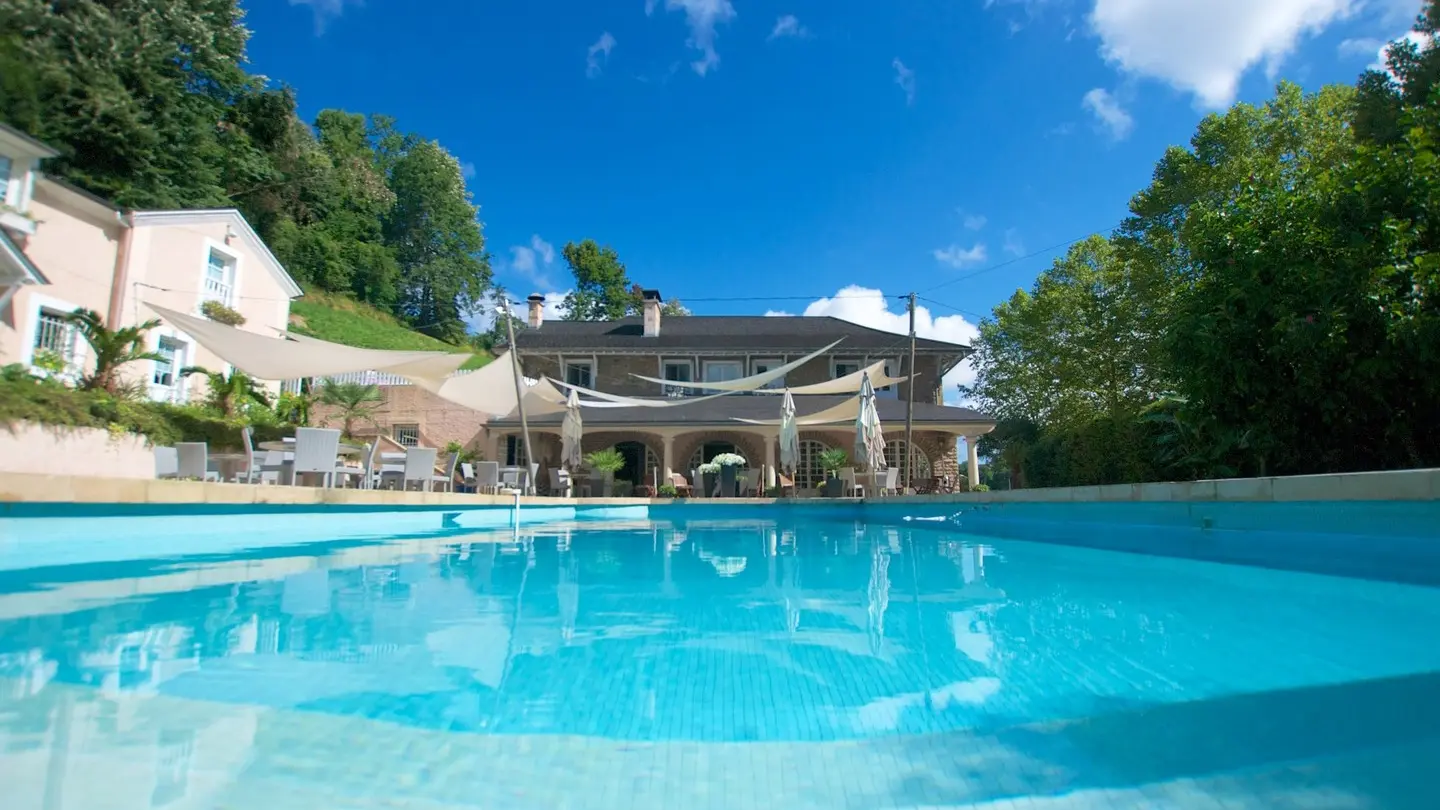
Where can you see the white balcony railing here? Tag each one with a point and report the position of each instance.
(215, 290)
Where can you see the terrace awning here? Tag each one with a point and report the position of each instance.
(284, 358)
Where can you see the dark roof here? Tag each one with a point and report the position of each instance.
(722, 412)
(709, 332)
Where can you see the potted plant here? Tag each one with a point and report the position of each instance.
(831, 461)
(606, 462)
(709, 474)
(730, 464)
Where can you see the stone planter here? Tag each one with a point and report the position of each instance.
(727, 482)
(831, 487)
(709, 479)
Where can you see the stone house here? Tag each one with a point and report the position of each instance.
(606, 355)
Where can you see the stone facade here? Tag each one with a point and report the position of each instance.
(615, 374)
(439, 422)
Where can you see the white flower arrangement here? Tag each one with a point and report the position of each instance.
(708, 469)
(729, 460)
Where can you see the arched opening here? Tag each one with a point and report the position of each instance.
(639, 461)
(707, 451)
(808, 472)
(896, 457)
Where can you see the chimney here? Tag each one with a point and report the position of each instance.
(537, 309)
(651, 300)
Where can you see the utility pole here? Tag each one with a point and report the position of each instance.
(520, 390)
(910, 406)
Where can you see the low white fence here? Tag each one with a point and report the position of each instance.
(362, 377)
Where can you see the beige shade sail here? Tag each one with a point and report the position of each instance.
(849, 384)
(604, 400)
(269, 358)
(845, 412)
(491, 391)
(751, 383)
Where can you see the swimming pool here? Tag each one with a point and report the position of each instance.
(712, 661)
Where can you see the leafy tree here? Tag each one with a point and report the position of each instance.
(110, 349)
(602, 289)
(434, 231)
(354, 401)
(229, 393)
(133, 92)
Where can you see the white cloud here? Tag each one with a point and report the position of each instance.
(1013, 245)
(871, 308)
(1108, 112)
(467, 170)
(905, 77)
(702, 16)
(956, 256)
(534, 260)
(598, 54)
(484, 316)
(1204, 46)
(1364, 46)
(325, 10)
(788, 26)
(973, 222)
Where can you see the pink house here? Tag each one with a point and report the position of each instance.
(62, 249)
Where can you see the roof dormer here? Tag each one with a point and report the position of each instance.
(20, 157)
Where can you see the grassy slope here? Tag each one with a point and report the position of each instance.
(340, 320)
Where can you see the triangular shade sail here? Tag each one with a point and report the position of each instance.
(751, 383)
(845, 412)
(491, 391)
(269, 358)
(618, 401)
(849, 384)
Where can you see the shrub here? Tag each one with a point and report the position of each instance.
(981, 488)
(667, 491)
(608, 460)
(833, 459)
(219, 313)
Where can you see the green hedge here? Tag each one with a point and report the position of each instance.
(27, 399)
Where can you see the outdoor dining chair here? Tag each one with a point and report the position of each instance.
(561, 485)
(194, 461)
(167, 462)
(892, 480)
(315, 452)
(487, 477)
(447, 480)
(364, 474)
(419, 467)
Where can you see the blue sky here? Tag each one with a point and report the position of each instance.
(789, 150)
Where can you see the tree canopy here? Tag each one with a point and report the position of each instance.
(1271, 306)
(150, 106)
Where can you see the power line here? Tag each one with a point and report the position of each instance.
(1007, 263)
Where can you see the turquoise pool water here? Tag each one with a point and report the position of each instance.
(719, 663)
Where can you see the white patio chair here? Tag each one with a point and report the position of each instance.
(275, 467)
(419, 467)
(447, 480)
(194, 461)
(487, 477)
(509, 480)
(560, 483)
(847, 481)
(892, 481)
(315, 452)
(363, 473)
(167, 462)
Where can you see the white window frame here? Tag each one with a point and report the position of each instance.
(773, 363)
(9, 180)
(709, 364)
(835, 366)
(179, 390)
(35, 304)
(688, 362)
(588, 363)
(202, 294)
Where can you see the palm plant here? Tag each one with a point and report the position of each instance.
(111, 348)
(352, 399)
(229, 393)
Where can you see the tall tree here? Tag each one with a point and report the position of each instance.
(435, 233)
(133, 92)
(602, 289)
